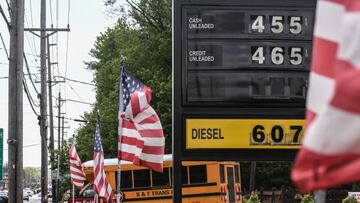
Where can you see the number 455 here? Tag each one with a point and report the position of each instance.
(277, 24)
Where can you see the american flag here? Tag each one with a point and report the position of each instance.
(77, 174)
(141, 138)
(331, 154)
(101, 186)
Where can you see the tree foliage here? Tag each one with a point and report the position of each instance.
(143, 36)
(31, 176)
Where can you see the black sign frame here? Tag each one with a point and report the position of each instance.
(183, 109)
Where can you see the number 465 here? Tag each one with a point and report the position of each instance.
(277, 55)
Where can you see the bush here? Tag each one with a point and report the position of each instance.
(254, 198)
(349, 199)
(305, 198)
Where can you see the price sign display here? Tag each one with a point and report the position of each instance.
(241, 74)
(244, 133)
(251, 44)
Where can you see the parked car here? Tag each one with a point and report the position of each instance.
(26, 196)
(3, 199)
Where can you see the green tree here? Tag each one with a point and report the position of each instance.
(142, 35)
(31, 176)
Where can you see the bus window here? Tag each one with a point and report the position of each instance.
(222, 173)
(126, 179)
(230, 180)
(198, 174)
(141, 178)
(171, 176)
(184, 179)
(237, 180)
(160, 179)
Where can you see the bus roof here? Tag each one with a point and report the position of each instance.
(114, 161)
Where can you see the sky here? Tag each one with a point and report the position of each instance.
(88, 18)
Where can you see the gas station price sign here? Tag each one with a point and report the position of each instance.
(241, 73)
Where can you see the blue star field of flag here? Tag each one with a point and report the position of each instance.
(97, 139)
(130, 84)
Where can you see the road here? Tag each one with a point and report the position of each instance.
(35, 200)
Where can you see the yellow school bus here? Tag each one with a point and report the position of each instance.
(202, 181)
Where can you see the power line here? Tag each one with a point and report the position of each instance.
(67, 40)
(30, 99)
(27, 36)
(7, 2)
(51, 14)
(26, 89)
(4, 17)
(74, 90)
(27, 54)
(28, 70)
(26, 64)
(78, 81)
(32, 24)
(3, 43)
(27, 146)
(81, 102)
(57, 34)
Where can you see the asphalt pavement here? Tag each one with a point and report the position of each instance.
(35, 199)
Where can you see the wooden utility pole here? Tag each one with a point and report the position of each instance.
(43, 105)
(59, 117)
(59, 131)
(62, 135)
(15, 132)
(51, 145)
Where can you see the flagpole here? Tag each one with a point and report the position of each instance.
(73, 193)
(73, 186)
(121, 107)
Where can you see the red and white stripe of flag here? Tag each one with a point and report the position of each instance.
(331, 154)
(142, 139)
(101, 186)
(76, 173)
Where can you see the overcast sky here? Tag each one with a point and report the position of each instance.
(87, 19)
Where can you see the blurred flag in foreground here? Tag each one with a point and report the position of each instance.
(101, 186)
(141, 138)
(77, 174)
(331, 147)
